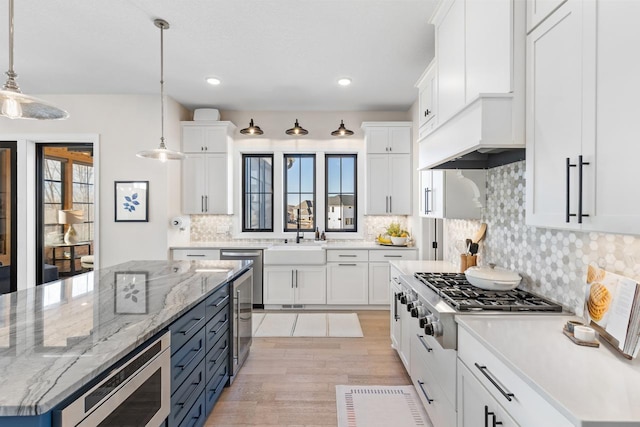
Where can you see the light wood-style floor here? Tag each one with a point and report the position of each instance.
(291, 381)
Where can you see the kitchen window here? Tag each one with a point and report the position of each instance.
(257, 192)
(299, 192)
(53, 198)
(341, 197)
(83, 199)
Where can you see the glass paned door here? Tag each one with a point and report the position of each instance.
(8, 217)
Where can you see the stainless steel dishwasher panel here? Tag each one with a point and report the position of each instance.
(254, 255)
(242, 326)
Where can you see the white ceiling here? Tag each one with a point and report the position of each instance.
(272, 55)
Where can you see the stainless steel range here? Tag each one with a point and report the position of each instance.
(434, 299)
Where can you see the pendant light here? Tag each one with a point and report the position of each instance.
(342, 131)
(296, 130)
(16, 105)
(252, 129)
(161, 153)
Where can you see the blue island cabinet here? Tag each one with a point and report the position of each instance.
(200, 360)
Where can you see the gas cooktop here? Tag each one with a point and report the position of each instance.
(461, 295)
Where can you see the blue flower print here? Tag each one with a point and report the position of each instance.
(131, 202)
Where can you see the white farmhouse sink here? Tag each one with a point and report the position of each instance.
(294, 254)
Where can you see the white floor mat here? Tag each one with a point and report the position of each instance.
(379, 406)
(306, 325)
(276, 325)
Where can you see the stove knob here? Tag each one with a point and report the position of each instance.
(424, 321)
(434, 328)
(417, 310)
(411, 305)
(403, 298)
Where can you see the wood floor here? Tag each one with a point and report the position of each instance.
(291, 381)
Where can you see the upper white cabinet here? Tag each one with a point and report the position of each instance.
(388, 182)
(206, 172)
(538, 10)
(391, 137)
(453, 194)
(427, 100)
(479, 76)
(582, 111)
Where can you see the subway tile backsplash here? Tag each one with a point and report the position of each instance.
(553, 263)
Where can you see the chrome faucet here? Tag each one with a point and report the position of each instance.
(298, 237)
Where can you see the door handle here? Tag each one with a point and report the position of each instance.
(421, 384)
(568, 213)
(202, 204)
(508, 395)
(292, 281)
(390, 204)
(581, 163)
(426, 201)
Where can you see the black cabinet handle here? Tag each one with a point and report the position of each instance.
(222, 324)
(347, 265)
(184, 365)
(568, 213)
(580, 165)
(195, 387)
(485, 372)
(347, 256)
(421, 384)
(215, 361)
(193, 326)
(427, 112)
(220, 301)
(194, 420)
(424, 343)
(395, 306)
(195, 255)
(393, 256)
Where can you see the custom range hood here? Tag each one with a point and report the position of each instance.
(487, 132)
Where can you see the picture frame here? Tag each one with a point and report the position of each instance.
(130, 289)
(131, 201)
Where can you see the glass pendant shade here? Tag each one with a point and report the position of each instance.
(342, 131)
(16, 105)
(252, 129)
(296, 130)
(161, 153)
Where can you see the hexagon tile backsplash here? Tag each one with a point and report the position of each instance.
(553, 263)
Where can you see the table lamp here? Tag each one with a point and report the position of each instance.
(71, 217)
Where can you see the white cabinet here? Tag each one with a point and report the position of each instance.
(300, 285)
(195, 254)
(581, 97)
(395, 326)
(388, 185)
(207, 171)
(454, 194)
(476, 407)
(538, 10)
(427, 99)
(379, 283)
(347, 283)
(450, 53)
(387, 137)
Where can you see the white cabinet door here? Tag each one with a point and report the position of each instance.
(538, 10)
(278, 285)
(194, 171)
(347, 283)
(400, 140)
(217, 200)
(377, 184)
(427, 91)
(437, 196)
(310, 285)
(476, 407)
(400, 184)
(556, 56)
(210, 138)
(377, 139)
(455, 194)
(615, 156)
(450, 51)
(379, 283)
(388, 139)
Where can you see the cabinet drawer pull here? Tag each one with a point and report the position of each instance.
(486, 373)
(347, 265)
(193, 326)
(424, 343)
(390, 201)
(184, 401)
(421, 384)
(184, 365)
(347, 256)
(217, 359)
(580, 165)
(393, 256)
(222, 325)
(568, 213)
(220, 301)
(494, 421)
(195, 255)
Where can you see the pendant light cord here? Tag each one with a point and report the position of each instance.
(161, 85)
(11, 84)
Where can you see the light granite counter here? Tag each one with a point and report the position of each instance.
(57, 337)
(331, 244)
(590, 386)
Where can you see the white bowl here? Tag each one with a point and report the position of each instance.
(399, 241)
(492, 278)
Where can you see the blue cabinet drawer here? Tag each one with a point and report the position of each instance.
(215, 385)
(186, 395)
(197, 415)
(217, 327)
(187, 358)
(219, 355)
(217, 301)
(186, 326)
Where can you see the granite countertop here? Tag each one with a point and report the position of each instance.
(331, 244)
(57, 337)
(410, 267)
(588, 385)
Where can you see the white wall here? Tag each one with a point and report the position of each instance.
(125, 124)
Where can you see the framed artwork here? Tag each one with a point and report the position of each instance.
(130, 292)
(131, 201)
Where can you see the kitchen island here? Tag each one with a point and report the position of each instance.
(58, 337)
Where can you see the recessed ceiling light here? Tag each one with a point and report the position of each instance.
(344, 81)
(213, 81)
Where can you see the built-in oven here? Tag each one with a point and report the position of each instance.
(136, 393)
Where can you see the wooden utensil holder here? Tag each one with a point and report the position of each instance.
(467, 261)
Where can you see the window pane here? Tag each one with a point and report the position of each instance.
(300, 192)
(52, 170)
(257, 190)
(341, 195)
(52, 192)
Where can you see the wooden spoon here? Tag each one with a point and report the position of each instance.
(480, 233)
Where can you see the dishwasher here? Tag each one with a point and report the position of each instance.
(254, 255)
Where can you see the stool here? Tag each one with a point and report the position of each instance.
(86, 262)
